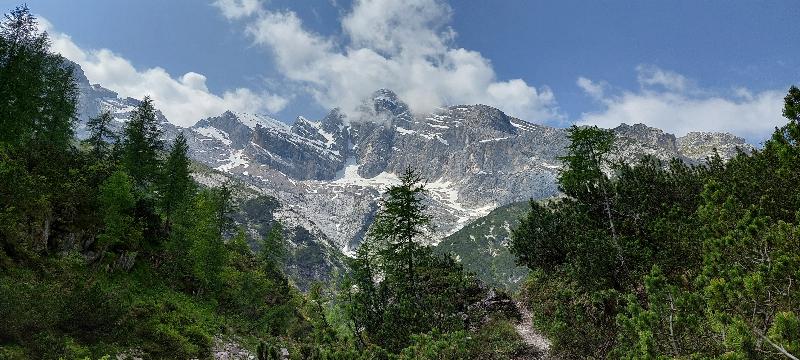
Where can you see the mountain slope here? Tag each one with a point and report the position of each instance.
(475, 158)
(329, 174)
(310, 257)
(482, 246)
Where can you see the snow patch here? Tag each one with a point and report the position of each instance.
(349, 176)
(405, 131)
(253, 120)
(235, 159)
(495, 139)
(212, 132)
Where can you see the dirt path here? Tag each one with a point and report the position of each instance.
(538, 345)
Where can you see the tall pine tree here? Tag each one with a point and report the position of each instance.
(398, 287)
(142, 144)
(273, 250)
(584, 178)
(101, 136)
(37, 86)
(121, 231)
(399, 224)
(177, 183)
(38, 99)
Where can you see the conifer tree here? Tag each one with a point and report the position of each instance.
(223, 201)
(142, 144)
(101, 136)
(177, 183)
(584, 177)
(206, 249)
(117, 201)
(37, 87)
(398, 225)
(273, 250)
(397, 286)
(37, 112)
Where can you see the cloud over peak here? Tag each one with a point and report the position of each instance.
(403, 45)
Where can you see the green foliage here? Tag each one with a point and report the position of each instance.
(105, 254)
(101, 136)
(579, 324)
(177, 184)
(36, 85)
(117, 203)
(670, 323)
(669, 260)
(481, 247)
(37, 113)
(273, 249)
(497, 339)
(588, 155)
(196, 245)
(398, 287)
(448, 346)
(141, 144)
(397, 228)
(541, 226)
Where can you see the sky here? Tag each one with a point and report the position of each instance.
(711, 65)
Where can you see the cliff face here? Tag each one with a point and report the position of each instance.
(474, 157)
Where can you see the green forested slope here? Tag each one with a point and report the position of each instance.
(482, 246)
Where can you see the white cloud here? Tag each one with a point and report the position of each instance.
(594, 89)
(649, 75)
(394, 27)
(235, 9)
(403, 45)
(183, 100)
(671, 102)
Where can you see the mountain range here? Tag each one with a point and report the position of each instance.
(323, 178)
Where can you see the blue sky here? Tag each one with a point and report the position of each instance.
(678, 65)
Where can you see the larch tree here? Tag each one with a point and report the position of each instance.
(584, 177)
(177, 185)
(399, 224)
(101, 135)
(142, 143)
(37, 86)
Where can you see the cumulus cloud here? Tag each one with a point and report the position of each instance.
(650, 76)
(235, 9)
(594, 89)
(183, 100)
(672, 102)
(402, 45)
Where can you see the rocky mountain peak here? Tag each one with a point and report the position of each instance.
(334, 121)
(483, 117)
(384, 106)
(77, 73)
(385, 95)
(307, 129)
(698, 145)
(647, 135)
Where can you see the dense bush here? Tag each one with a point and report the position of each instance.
(657, 260)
